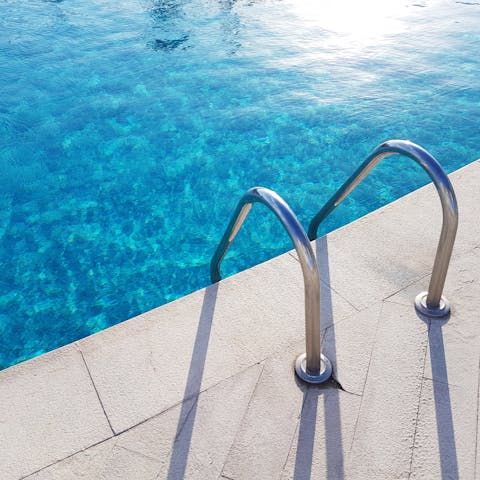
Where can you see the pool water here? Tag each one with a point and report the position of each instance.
(130, 129)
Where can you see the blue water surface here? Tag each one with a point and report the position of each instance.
(130, 129)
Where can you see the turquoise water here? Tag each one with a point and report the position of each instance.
(129, 130)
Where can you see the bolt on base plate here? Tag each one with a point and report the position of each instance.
(421, 305)
(301, 370)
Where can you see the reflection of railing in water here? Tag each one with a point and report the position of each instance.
(311, 366)
(430, 303)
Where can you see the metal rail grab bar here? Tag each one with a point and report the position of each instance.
(430, 303)
(312, 366)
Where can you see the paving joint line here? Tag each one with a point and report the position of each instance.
(419, 400)
(293, 256)
(131, 450)
(357, 309)
(194, 404)
(434, 380)
(67, 457)
(297, 426)
(95, 388)
(366, 376)
(254, 389)
(478, 424)
(386, 299)
(186, 399)
(187, 416)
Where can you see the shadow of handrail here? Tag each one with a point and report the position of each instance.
(186, 421)
(313, 394)
(443, 407)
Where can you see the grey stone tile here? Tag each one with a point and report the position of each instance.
(451, 357)
(105, 461)
(454, 342)
(219, 331)
(124, 464)
(49, 410)
(386, 425)
(419, 214)
(155, 438)
(264, 440)
(461, 286)
(322, 441)
(87, 464)
(445, 440)
(193, 440)
(348, 345)
(353, 260)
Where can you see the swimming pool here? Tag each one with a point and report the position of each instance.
(129, 130)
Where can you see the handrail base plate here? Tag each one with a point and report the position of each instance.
(301, 370)
(421, 306)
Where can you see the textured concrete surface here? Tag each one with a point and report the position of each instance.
(204, 387)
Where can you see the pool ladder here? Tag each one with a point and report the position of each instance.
(312, 366)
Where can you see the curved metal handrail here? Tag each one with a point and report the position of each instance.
(430, 303)
(312, 366)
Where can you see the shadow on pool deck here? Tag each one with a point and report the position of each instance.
(305, 448)
(312, 395)
(443, 406)
(186, 422)
(308, 419)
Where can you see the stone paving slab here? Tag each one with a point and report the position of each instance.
(49, 410)
(454, 342)
(321, 445)
(387, 419)
(204, 387)
(350, 344)
(351, 261)
(86, 464)
(446, 434)
(264, 439)
(106, 461)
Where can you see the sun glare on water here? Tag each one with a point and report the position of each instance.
(365, 20)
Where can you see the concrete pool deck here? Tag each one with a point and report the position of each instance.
(204, 387)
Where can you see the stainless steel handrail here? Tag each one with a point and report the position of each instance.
(312, 366)
(430, 303)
